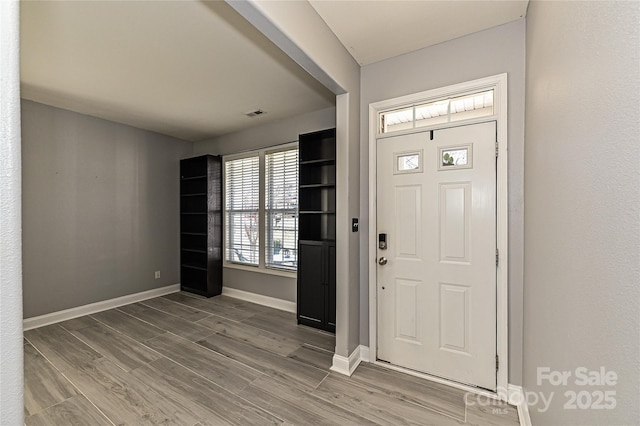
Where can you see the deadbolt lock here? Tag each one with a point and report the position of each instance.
(382, 241)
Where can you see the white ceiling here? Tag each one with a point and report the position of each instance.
(377, 30)
(191, 69)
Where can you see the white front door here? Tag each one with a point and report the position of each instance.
(436, 212)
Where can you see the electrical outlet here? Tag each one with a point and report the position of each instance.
(157, 274)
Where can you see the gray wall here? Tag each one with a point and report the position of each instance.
(494, 51)
(582, 226)
(264, 136)
(100, 209)
(302, 34)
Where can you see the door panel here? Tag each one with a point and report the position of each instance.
(437, 291)
(407, 310)
(311, 301)
(455, 218)
(454, 317)
(409, 219)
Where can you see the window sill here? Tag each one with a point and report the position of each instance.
(261, 270)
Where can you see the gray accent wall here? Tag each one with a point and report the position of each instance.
(490, 52)
(263, 136)
(100, 209)
(582, 207)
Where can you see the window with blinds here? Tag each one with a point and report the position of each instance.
(242, 206)
(281, 209)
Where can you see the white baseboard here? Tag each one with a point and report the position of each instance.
(364, 353)
(518, 398)
(272, 302)
(92, 308)
(347, 366)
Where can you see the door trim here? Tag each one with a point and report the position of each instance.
(499, 84)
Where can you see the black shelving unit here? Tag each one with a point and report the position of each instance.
(201, 225)
(317, 230)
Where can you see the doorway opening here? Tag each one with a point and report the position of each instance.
(431, 147)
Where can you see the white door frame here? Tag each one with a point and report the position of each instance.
(499, 84)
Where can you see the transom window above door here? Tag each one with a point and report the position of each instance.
(466, 107)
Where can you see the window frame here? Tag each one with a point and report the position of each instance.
(261, 267)
(450, 118)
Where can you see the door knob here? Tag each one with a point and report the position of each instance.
(382, 261)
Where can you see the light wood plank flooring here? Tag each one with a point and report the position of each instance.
(186, 360)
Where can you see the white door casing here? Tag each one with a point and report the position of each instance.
(499, 84)
(437, 291)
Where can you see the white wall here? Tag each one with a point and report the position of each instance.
(582, 204)
(11, 379)
(258, 137)
(490, 52)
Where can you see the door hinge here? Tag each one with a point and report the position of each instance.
(497, 257)
(496, 149)
(497, 363)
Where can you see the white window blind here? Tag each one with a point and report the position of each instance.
(281, 209)
(242, 177)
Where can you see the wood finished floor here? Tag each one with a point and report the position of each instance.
(185, 360)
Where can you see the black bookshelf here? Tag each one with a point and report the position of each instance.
(317, 230)
(201, 225)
